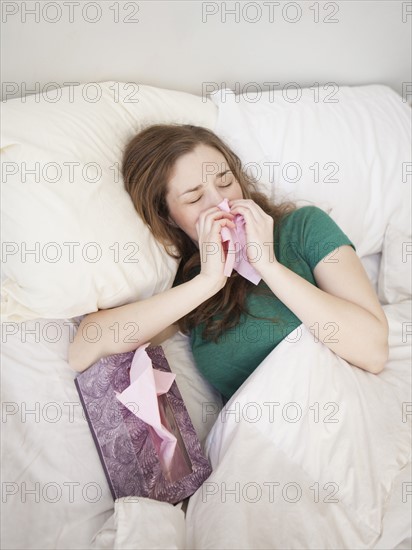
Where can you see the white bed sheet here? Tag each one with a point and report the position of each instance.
(365, 455)
(51, 453)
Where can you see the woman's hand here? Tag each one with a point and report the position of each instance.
(212, 253)
(259, 234)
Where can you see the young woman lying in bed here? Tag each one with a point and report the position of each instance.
(176, 176)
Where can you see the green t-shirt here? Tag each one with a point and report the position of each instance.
(303, 238)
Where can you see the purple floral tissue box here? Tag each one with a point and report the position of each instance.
(125, 442)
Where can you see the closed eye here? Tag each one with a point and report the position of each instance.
(222, 186)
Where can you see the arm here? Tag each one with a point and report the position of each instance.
(125, 328)
(344, 312)
(164, 335)
(115, 330)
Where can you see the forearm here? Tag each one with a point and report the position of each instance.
(167, 333)
(347, 329)
(125, 328)
(153, 315)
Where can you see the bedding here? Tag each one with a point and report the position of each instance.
(305, 453)
(395, 275)
(61, 164)
(289, 475)
(348, 154)
(54, 492)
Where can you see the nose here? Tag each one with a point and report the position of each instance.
(214, 197)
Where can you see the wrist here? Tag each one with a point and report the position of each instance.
(269, 269)
(210, 284)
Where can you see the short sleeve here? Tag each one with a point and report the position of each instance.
(320, 235)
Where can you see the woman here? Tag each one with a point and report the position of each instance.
(176, 176)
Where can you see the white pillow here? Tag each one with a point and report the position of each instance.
(90, 206)
(359, 136)
(395, 276)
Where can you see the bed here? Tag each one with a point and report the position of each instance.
(310, 452)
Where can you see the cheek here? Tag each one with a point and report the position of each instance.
(177, 213)
(238, 192)
(187, 218)
(194, 219)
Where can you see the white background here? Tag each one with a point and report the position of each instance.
(183, 45)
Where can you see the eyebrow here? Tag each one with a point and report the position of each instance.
(200, 186)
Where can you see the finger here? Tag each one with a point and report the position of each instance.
(229, 223)
(234, 202)
(206, 214)
(218, 226)
(213, 216)
(246, 203)
(222, 223)
(247, 213)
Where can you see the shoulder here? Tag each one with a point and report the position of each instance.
(301, 222)
(315, 233)
(304, 214)
(309, 219)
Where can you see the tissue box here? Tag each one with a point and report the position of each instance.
(125, 442)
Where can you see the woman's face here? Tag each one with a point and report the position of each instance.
(201, 180)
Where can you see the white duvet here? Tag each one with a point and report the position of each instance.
(310, 452)
(318, 473)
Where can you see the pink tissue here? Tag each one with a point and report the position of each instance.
(146, 383)
(236, 251)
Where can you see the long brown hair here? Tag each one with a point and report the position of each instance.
(148, 161)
